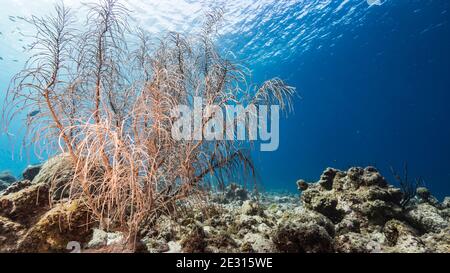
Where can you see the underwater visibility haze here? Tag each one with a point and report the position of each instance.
(100, 120)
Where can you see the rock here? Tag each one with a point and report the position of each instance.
(263, 229)
(232, 193)
(302, 185)
(303, 231)
(378, 212)
(31, 171)
(426, 218)
(25, 205)
(3, 185)
(302, 238)
(19, 211)
(308, 216)
(235, 192)
(115, 238)
(282, 199)
(423, 193)
(17, 186)
(258, 243)
(322, 202)
(7, 177)
(56, 172)
(174, 247)
(446, 202)
(359, 193)
(220, 242)
(438, 242)
(352, 242)
(248, 222)
(66, 222)
(348, 225)
(194, 241)
(371, 177)
(400, 238)
(445, 213)
(326, 179)
(209, 231)
(10, 233)
(99, 239)
(251, 208)
(27, 216)
(155, 245)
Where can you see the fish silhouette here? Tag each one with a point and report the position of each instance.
(33, 113)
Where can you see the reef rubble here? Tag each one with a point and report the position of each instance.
(353, 211)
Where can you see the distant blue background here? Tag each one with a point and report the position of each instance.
(379, 96)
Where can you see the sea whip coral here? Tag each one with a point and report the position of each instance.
(107, 103)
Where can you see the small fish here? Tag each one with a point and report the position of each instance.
(20, 40)
(11, 18)
(1, 33)
(33, 113)
(16, 61)
(1, 58)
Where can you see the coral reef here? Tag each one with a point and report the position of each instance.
(7, 177)
(232, 193)
(3, 185)
(353, 211)
(28, 222)
(31, 171)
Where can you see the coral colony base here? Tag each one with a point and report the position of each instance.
(143, 159)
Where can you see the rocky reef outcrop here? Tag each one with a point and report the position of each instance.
(6, 178)
(353, 211)
(368, 215)
(28, 221)
(31, 171)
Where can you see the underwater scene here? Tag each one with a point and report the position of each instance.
(225, 126)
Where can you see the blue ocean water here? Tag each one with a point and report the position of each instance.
(376, 91)
(373, 76)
